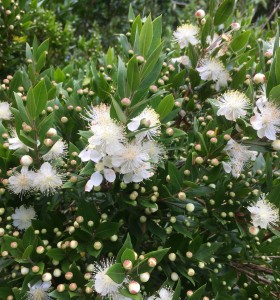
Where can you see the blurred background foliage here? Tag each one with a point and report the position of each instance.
(79, 29)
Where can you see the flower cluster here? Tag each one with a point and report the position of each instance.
(113, 152)
(45, 180)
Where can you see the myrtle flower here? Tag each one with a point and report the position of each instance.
(20, 183)
(264, 213)
(266, 119)
(107, 138)
(232, 105)
(139, 174)
(97, 115)
(103, 284)
(185, 35)
(130, 158)
(184, 60)
(149, 116)
(47, 180)
(213, 69)
(239, 156)
(5, 112)
(15, 143)
(39, 291)
(23, 216)
(154, 150)
(165, 293)
(57, 150)
(89, 153)
(102, 169)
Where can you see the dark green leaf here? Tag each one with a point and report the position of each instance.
(116, 273)
(223, 12)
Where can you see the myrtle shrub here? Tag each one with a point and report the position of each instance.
(150, 171)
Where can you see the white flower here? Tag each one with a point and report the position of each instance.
(58, 150)
(23, 216)
(185, 35)
(164, 294)
(103, 284)
(89, 153)
(5, 112)
(213, 69)
(264, 213)
(47, 180)
(130, 158)
(39, 291)
(120, 297)
(16, 143)
(22, 182)
(102, 169)
(155, 151)
(99, 114)
(184, 60)
(239, 156)
(266, 120)
(139, 174)
(107, 134)
(232, 105)
(152, 118)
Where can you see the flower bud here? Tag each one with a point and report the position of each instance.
(199, 160)
(182, 196)
(48, 142)
(126, 102)
(56, 272)
(276, 145)
(190, 207)
(169, 131)
(68, 275)
(14, 245)
(172, 256)
(200, 14)
(144, 277)
(191, 272)
(127, 264)
(97, 245)
(72, 287)
(73, 244)
(40, 249)
(24, 270)
(189, 254)
(174, 276)
(26, 160)
(51, 132)
(153, 89)
(235, 26)
(152, 262)
(60, 288)
(134, 287)
(47, 277)
(259, 78)
(35, 269)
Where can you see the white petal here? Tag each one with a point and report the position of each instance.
(109, 175)
(133, 125)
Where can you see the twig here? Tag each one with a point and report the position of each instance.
(271, 15)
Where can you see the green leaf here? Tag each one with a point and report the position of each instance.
(118, 111)
(59, 75)
(41, 96)
(157, 31)
(176, 179)
(121, 79)
(107, 229)
(42, 48)
(128, 254)
(204, 253)
(126, 245)
(116, 273)
(207, 30)
(223, 12)
(165, 106)
(275, 93)
(146, 36)
(151, 61)
(56, 253)
(239, 77)
(198, 293)
(45, 125)
(127, 294)
(29, 237)
(240, 41)
(41, 62)
(27, 252)
(133, 77)
(131, 15)
(135, 29)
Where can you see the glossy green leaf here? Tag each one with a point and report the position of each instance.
(146, 36)
(116, 273)
(165, 106)
(223, 12)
